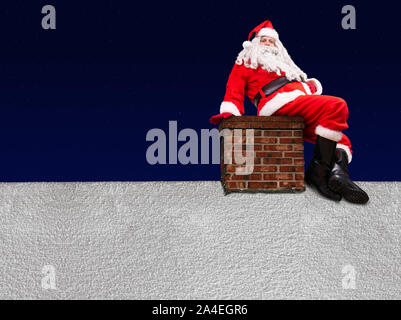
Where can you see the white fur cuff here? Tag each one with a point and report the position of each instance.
(227, 106)
(346, 149)
(328, 133)
(317, 84)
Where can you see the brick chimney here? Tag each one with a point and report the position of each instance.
(276, 155)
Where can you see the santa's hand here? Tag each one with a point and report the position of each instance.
(219, 117)
(315, 86)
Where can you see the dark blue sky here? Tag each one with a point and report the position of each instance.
(76, 102)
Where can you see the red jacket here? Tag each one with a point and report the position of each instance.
(243, 80)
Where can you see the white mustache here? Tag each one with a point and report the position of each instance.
(269, 49)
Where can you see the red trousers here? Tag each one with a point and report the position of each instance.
(324, 115)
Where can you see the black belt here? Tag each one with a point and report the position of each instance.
(270, 88)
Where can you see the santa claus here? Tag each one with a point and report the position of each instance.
(265, 72)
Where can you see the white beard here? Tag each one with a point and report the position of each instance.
(271, 59)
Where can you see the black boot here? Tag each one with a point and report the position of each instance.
(340, 182)
(320, 167)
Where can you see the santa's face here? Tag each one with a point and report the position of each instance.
(268, 41)
(269, 54)
(266, 51)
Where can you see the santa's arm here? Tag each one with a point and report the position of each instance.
(315, 86)
(233, 102)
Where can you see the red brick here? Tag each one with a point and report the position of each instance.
(291, 140)
(262, 125)
(263, 185)
(264, 119)
(265, 140)
(240, 169)
(299, 176)
(261, 154)
(277, 133)
(299, 162)
(236, 185)
(298, 147)
(258, 133)
(246, 153)
(230, 168)
(225, 177)
(241, 146)
(297, 125)
(298, 133)
(277, 161)
(254, 176)
(259, 122)
(278, 176)
(278, 154)
(278, 147)
(294, 154)
(265, 169)
(285, 184)
(291, 169)
(256, 147)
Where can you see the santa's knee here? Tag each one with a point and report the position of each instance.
(340, 107)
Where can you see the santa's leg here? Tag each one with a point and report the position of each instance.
(325, 118)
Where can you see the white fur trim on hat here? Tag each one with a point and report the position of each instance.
(268, 32)
(227, 106)
(346, 149)
(328, 133)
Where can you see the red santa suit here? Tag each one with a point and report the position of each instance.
(324, 115)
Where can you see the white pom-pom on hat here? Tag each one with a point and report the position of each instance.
(246, 44)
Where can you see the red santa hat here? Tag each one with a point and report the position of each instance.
(263, 29)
